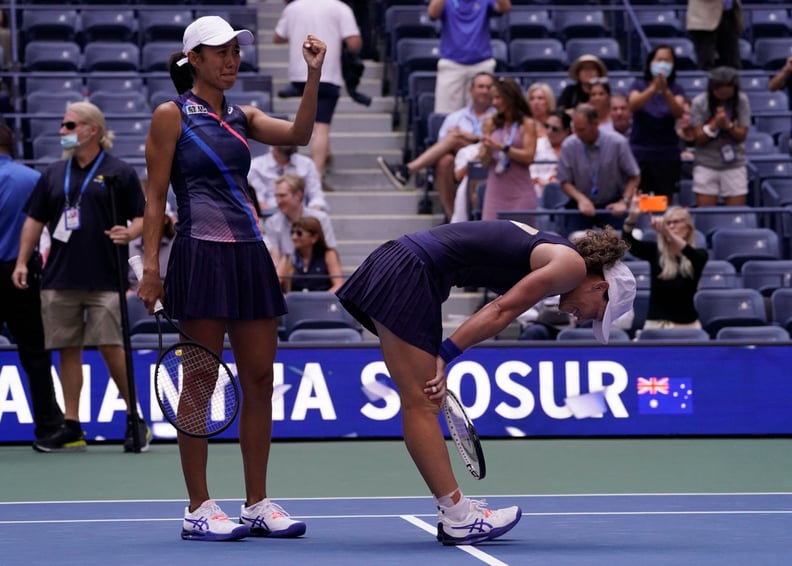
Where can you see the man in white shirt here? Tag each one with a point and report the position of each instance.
(334, 23)
(265, 170)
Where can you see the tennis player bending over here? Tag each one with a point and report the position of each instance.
(397, 293)
(220, 276)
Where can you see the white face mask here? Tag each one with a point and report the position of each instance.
(69, 141)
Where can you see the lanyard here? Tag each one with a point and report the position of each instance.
(88, 178)
(474, 121)
(594, 173)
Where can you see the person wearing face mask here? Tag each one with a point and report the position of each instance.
(265, 170)
(656, 102)
(79, 287)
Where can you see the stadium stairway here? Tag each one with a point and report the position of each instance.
(364, 208)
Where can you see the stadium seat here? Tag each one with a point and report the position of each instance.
(606, 48)
(334, 335)
(526, 22)
(51, 102)
(537, 55)
(754, 82)
(249, 58)
(163, 25)
(47, 148)
(718, 308)
(42, 83)
(772, 22)
(766, 275)
(121, 83)
(111, 56)
(109, 25)
(45, 55)
(747, 58)
(402, 21)
(767, 333)
(255, 98)
(738, 245)
(126, 126)
(774, 123)
(587, 334)
(778, 191)
(581, 22)
(708, 219)
(781, 308)
(154, 55)
(640, 310)
(49, 24)
(315, 309)
(684, 51)
(771, 53)
(641, 270)
(415, 54)
(661, 22)
(673, 335)
(763, 101)
(129, 146)
(433, 123)
(129, 102)
(694, 82)
(719, 274)
(500, 52)
(759, 143)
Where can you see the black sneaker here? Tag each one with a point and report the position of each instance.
(398, 175)
(144, 434)
(68, 438)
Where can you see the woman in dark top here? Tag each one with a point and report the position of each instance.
(585, 71)
(398, 291)
(314, 266)
(656, 102)
(676, 267)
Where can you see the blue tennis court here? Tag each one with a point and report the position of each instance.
(628, 529)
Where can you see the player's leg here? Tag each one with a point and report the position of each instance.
(254, 343)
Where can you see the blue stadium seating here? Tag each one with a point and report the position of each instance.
(111, 56)
(753, 334)
(109, 25)
(537, 55)
(718, 308)
(673, 335)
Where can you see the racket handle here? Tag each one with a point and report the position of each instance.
(136, 263)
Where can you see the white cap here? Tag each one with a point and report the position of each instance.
(211, 30)
(621, 294)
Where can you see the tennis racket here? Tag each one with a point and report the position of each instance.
(464, 436)
(195, 389)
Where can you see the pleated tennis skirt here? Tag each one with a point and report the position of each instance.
(232, 280)
(396, 287)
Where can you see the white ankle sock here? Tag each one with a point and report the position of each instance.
(453, 511)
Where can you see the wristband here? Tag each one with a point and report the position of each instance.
(708, 131)
(506, 149)
(449, 351)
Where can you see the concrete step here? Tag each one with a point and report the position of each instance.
(362, 158)
(359, 122)
(381, 227)
(371, 141)
(367, 202)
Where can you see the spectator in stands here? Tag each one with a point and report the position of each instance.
(687, 141)
(544, 169)
(781, 80)
(541, 102)
(715, 26)
(290, 195)
(20, 309)
(597, 171)
(266, 169)
(466, 161)
(333, 21)
(313, 266)
(586, 70)
(459, 129)
(719, 122)
(465, 48)
(620, 114)
(599, 98)
(656, 102)
(80, 295)
(509, 152)
(220, 276)
(676, 266)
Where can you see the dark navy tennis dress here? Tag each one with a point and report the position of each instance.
(404, 282)
(219, 266)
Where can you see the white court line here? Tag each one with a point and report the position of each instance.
(400, 497)
(414, 518)
(471, 550)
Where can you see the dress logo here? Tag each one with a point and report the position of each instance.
(195, 109)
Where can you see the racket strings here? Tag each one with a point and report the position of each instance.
(192, 389)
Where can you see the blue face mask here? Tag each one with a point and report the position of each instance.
(69, 141)
(661, 67)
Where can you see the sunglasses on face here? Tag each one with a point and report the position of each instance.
(299, 232)
(552, 128)
(69, 125)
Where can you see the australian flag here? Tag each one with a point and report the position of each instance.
(665, 395)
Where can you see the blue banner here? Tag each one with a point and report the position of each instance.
(508, 388)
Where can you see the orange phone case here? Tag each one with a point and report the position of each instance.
(649, 203)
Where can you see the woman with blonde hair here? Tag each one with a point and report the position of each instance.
(542, 103)
(676, 266)
(313, 266)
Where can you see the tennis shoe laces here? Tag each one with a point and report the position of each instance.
(397, 175)
(268, 519)
(479, 524)
(209, 523)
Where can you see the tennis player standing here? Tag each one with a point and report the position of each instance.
(397, 293)
(220, 276)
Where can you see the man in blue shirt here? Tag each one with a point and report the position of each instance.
(20, 309)
(597, 170)
(465, 48)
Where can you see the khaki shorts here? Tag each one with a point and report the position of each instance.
(452, 88)
(724, 183)
(75, 318)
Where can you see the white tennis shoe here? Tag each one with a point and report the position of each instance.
(479, 524)
(268, 519)
(209, 523)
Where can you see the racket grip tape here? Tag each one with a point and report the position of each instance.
(136, 263)
(449, 351)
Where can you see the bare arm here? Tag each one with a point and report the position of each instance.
(31, 233)
(502, 6)
(354, 43)
(333, 262)
(435, 8)
(585, 206)
(779, 80)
